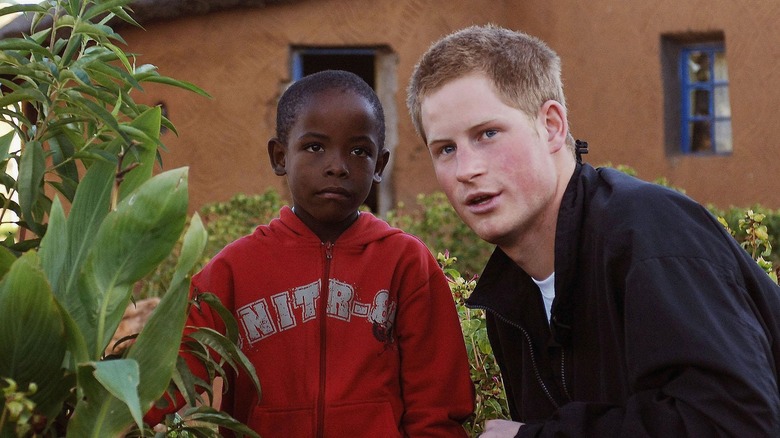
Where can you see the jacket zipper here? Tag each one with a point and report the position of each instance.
(533, 357)
(322, 308)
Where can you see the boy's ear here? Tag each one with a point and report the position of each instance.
(381, 162)
(277, 152)
(556, 125)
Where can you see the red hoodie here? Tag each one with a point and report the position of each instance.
(377, 353)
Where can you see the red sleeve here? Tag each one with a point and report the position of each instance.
(437, 390)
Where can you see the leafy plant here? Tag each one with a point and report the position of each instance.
(92, 220)
(490, 395)
(435, 222)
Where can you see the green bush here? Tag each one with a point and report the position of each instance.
(435, 222)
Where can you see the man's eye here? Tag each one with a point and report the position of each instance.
(446, 150)
(490, 133)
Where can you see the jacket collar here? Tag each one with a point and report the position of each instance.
(508, 291)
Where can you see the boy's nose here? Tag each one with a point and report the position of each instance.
(336, 166)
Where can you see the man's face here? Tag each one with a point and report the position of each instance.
(492, 160)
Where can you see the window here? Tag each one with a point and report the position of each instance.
(697, 99)
(376, 65)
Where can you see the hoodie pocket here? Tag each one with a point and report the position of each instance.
(283, 423)
(362, 419)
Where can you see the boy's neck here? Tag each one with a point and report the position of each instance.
(326, 232)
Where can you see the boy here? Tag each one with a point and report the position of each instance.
(615, 307)
(349, 323)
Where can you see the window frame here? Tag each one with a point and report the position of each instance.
(687, 87)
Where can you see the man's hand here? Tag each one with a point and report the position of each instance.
(500, 429)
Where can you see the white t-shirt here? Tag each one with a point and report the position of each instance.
(547, 286)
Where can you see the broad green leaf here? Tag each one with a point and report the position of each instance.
(130, 243)
(192, 248)
(157, 347)
(98, 413)
(121, 378)
(7, 258)
(54, 245)
(31, 170)
(31, 332)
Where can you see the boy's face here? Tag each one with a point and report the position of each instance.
(492, 160)
(331, 160)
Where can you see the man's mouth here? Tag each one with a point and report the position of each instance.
(478, 199)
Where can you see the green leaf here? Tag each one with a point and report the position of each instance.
(21, 44)
(31, 170)
(98, 413)
(31, 332)
(5, 144)
(227, 350)
(157, 347)
(97, 9)
(121, 378)
(147, 124)
(231, 326)
(210, 415)
(192, 248)
(7, 258)
(173, 82)
(12, 9)
(22, 95)
(131, 242)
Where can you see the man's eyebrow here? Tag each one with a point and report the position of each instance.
(475, 127)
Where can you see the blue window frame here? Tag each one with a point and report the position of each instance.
(705, 111)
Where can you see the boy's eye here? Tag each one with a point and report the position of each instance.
(313, 147)
(490, 133)
(361, 152)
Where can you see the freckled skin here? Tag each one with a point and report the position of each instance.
(332, 158)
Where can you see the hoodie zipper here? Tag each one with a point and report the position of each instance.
(321, 311)
(537, 373)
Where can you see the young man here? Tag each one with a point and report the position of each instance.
(615, 307)
(349, 322)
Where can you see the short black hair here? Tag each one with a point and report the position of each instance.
(301, 90)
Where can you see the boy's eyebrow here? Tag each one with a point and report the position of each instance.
(318, 135)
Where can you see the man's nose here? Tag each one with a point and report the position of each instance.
(469, 164)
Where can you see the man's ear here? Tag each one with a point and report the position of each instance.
(381, 162)
(277, 152)
(556, 125)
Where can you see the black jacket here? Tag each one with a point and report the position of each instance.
(662, 325)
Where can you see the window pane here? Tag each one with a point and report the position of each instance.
(701, 137)
(698, 67)
(700, 103)
(723, 136)
(721, 70)
(722, 107)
